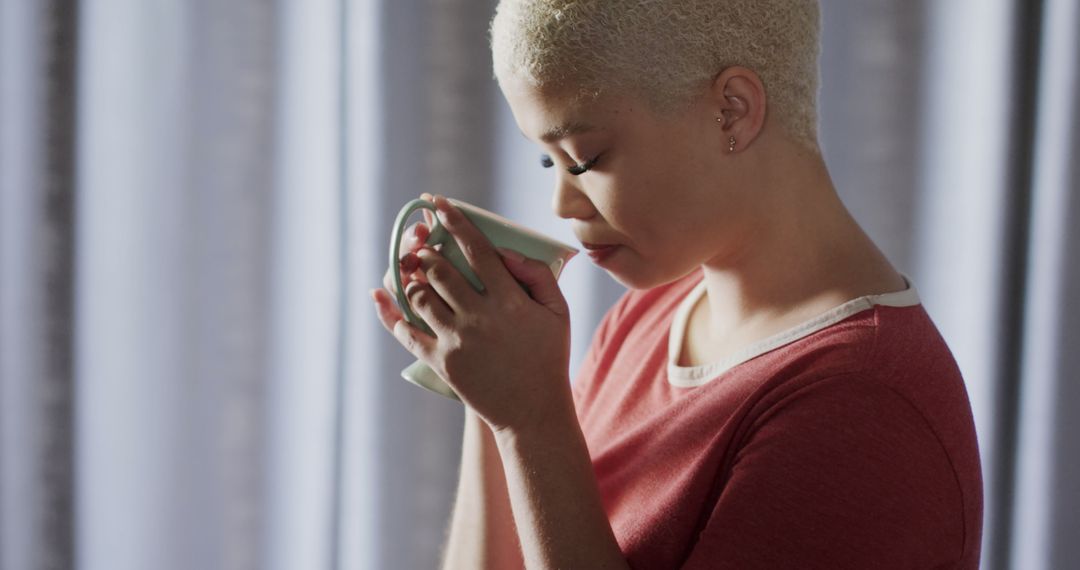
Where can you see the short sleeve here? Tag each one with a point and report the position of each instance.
(842, 473)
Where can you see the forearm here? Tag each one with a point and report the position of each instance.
(482, 533)
(556, 502)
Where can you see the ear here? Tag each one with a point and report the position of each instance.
(738, 97)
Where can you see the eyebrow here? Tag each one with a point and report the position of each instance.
(562, 131)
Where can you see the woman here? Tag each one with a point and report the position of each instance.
(769, 393)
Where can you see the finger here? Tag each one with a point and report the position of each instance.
(407, 265)
(416, 241)
(448, 282)
(386, 309)
(538, 280)
(415, 236)
(409, 269)
(416, 341)
(411, 241)
(430, 307)
(429, 216)
(476, 247)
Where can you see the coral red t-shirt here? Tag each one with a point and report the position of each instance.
(844, 442)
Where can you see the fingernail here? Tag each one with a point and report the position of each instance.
(410, 262)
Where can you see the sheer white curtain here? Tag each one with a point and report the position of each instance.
(966, 240)
(196, 197)
(952, 134)
(192, 421)
(207, 283)
(1046, 508)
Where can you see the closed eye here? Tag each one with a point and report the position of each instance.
(576, 169)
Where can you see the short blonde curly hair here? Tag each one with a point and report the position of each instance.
(666, 51)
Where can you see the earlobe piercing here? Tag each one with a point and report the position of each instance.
(731, 140)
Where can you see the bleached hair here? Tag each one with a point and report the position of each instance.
(666, 51)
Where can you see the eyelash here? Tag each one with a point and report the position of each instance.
(576, 170)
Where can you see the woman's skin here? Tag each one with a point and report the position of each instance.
(482, 531)
(764, 223)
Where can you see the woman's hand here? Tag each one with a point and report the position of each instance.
(412, 240)
(505, 351)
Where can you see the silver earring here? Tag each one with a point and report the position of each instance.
(731, 140)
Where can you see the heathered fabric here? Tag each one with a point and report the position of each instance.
(851, 446)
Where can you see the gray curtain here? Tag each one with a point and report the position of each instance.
(37, 269)
(196, 197)
(950, 128)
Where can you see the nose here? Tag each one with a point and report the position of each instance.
(569, 201)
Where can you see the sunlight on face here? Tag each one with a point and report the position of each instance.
(654, 185)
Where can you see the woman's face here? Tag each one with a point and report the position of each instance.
(660, 188)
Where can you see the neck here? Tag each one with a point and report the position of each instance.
(804, 253)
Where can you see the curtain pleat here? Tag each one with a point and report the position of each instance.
(306, 295)
(177, 113)
(870, 91)
(1046, 500)
(436, 108)
(37, 268)
(196, 197)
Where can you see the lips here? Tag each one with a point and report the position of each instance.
(599, 252)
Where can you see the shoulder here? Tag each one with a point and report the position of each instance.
(845, 456)
(847, 406)
(885, 369)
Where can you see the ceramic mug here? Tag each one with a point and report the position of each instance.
(502, 233)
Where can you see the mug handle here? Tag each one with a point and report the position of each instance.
(437, 236)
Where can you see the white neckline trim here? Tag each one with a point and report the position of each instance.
(693, 376)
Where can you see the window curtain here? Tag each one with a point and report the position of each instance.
(196, 196)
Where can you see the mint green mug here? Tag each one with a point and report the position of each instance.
(501, 232)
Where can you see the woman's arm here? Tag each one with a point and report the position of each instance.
(556, 502)
(478, 338)
(482, 533)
